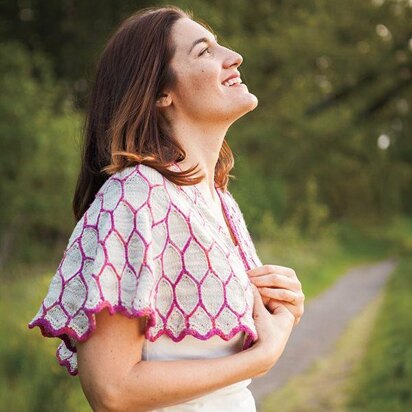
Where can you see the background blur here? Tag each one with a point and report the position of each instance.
(330, 145)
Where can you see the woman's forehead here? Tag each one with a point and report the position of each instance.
(187, 31)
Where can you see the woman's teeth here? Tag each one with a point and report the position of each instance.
(230, 82)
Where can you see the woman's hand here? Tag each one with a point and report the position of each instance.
(273, 331)
(279, 284)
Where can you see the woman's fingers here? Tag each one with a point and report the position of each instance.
(283, 279)
(280, 289)
(267, 269)
(276, 280)
(258, 305)
(273, 305)
(280, 294)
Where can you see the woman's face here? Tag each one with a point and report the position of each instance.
(201, 68)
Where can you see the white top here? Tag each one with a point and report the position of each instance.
(233, 398)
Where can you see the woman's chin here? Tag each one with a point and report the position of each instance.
(249, 102)
(241, 96)
(236, 108)
(254, 101)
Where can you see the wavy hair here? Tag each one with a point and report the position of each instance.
(123, 127)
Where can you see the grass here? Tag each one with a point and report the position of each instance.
(30, 377)
(383, 379)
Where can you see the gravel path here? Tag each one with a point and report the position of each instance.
(323, 322)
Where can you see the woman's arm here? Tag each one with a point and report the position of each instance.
(115, 378)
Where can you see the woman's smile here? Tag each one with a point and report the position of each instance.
(236, 85)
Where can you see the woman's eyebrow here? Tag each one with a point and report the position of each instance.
(201, 40)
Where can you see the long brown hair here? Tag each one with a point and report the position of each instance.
(123, 126)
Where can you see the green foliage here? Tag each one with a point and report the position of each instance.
(330, 81)
(38, 155)
(31, 379)
(311, 215)
(384, 379)
(258, 197)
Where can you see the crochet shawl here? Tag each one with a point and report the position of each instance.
(149, 247)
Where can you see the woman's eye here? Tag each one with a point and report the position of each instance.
(207, 49)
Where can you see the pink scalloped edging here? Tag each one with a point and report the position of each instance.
(65, 363)
(48, 331)
(64, 333)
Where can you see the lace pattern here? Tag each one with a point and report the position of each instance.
(148, 247)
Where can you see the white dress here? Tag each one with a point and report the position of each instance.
(233, 398)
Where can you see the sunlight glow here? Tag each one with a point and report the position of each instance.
(383, 32)
(383, 141)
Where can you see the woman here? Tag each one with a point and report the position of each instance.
(156, 299)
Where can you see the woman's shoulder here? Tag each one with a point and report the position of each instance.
(136, 186)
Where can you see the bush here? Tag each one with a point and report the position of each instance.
(38, 155)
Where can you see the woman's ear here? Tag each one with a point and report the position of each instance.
(164, 101)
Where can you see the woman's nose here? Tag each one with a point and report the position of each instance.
(233, 58)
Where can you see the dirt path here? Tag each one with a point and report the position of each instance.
(324, 320)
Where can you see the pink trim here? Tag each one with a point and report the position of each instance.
(64, 333)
